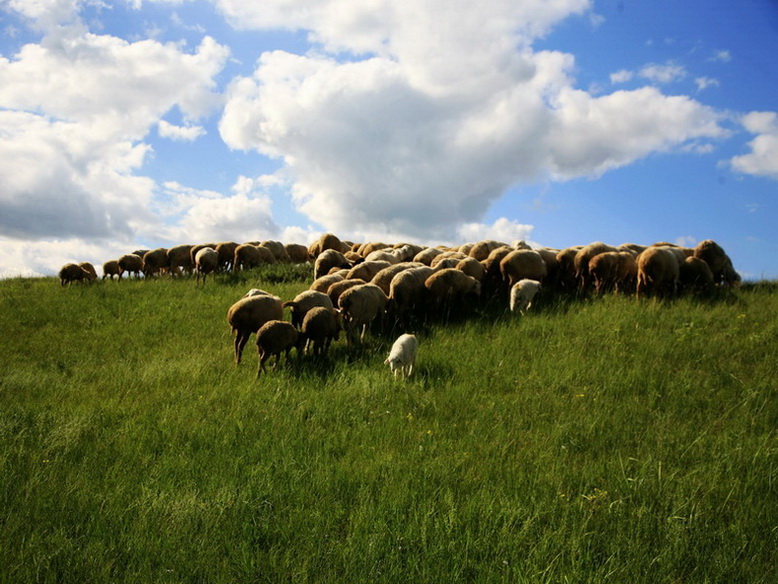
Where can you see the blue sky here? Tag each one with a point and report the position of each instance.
(151, 123)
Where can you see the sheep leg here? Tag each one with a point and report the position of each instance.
(240, 341)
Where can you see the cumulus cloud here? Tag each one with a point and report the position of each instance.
(438, 111)
(503, 229)
(763, 158)
(179, 133)
(662, 73)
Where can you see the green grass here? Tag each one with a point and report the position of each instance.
(590, 441)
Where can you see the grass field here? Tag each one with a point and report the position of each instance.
(590, 441)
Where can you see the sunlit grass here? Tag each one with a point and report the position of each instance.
(592, 441)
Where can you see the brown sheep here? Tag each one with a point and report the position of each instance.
(247, 315)
(277, 249)
(449, 286)
(111, 269)
(367, 269)
(273, 338)
(426, 255)
(472, 267)
(322, 284)
(613, 270)
(89, 268)
(297, 252)
(338, 288)
(304, 302)
(180, 256)
(566, 278)
(73, 273)
(695, 276)
(130, 263)
(248, 256)
(658, 272)
(718, 262)
(521, 264)
(582, 259)
(327, 260)
(320, 327)
(407, 292)
(325, 242)
(226, 252)
(206, 262)
(383, 279)
(155, 261)
(360, 306)
(482, 249)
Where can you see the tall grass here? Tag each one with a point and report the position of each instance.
(590, 441)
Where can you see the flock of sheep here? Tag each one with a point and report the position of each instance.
(357, 285)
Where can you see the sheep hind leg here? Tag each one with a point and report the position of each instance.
(240, 341)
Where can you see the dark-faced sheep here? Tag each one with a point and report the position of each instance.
(247, 315)
(89, 268)
(304, 302)
(360, 306)
(206, 262)
(320, 327)
(273, 338)
(658, 272)
(73, 273)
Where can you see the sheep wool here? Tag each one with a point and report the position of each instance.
(402, 356)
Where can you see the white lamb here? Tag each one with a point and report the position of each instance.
(402, 357)
(522, 294)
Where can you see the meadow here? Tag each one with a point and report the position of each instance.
(597, 440)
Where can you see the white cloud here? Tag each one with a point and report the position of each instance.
(721, 56)
(763, 158)
(432, 126)
(502, 229)
(622, 76)
(705, 82)
(663, 74)
(179, 133)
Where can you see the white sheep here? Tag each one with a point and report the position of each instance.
(522, 294)
(402, 356)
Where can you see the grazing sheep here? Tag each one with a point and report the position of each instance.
(320, 327)
(111, 269)
(247, 315)
(256, 292)
(492, 281)
(273, 338)
(383, 255)
(367, 248)
(582, 259)
(566, 277)
(327, 260)
(522, 294)
(180, 256)
(449, 286)
(472, 267)
(523, 263)
(426, 255)
(613, 270)
(304, 301)
(402, 356)
(248, 256)
(338, 288)
(195, 248)
(322, 284)
(482, 249)
(452, 255)
(206, 262)
(297, 252)
(325, 242)
(718, 262)
(658, 272)
(155, 261)
(360, 306)
(73, 273)
(695, 276)
(407, 291)
(367, 269)
(89, 268)
(226, 251)
(130, 263)
(277, 249)
(383, 279)
(405, 252)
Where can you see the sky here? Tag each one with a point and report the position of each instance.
(151, 123)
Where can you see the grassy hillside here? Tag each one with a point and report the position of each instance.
(591, 441)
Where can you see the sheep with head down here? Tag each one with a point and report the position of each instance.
(70, 273)
(304, 302)
(360, 306)
(327, 260)
(323, 283)
(206, 262)
(402, 356)
(521, 264)
(450, 287)
(155, 262)
(320, 327)
(718, 262)
(658, 272)
(273, 338)
(367, 269)
(89, 268)
(111, 269)
(582, 259)
(179, 259)
(130, 263)
(248, 314)
(522, 294)
(407, 291)
(338, 288)
(613, 270)
(695, 276)
(383, 279)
